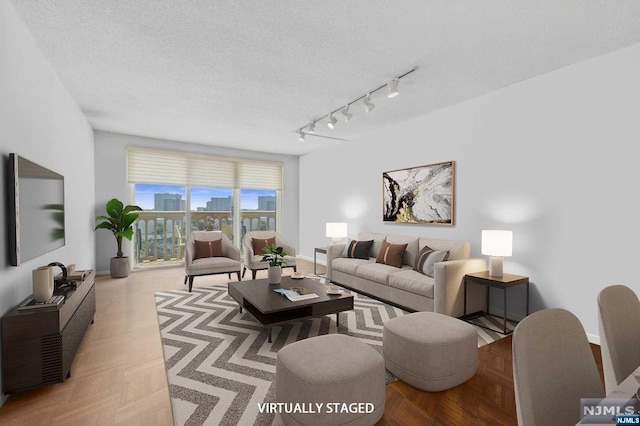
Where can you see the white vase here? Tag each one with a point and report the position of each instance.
(275, 274)
(42, 280)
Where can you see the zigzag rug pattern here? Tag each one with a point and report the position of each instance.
(219, 363)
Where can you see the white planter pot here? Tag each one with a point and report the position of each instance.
(119, 267)
(275, 274)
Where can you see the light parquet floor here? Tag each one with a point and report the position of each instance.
(118, 375)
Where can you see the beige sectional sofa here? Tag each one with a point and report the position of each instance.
(442, 293)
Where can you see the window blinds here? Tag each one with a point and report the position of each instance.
(182, 168)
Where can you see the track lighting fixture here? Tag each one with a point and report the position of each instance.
(393, 88)
(311, 127)
(332, 122)
(346, 114)
(392, 91)
(368, 106)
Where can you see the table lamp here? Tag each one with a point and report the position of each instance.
(336, 231)
(496, 244)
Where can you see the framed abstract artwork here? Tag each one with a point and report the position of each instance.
(423, 194)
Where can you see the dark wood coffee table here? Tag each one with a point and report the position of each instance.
(270, 308)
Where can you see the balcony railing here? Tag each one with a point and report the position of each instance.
(161, 235)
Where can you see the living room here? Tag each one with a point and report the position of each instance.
(544, 156)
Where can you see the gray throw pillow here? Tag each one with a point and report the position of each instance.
(357, 249)
(427, 258)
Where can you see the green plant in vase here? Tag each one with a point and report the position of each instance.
(120, 222)
(275, 256)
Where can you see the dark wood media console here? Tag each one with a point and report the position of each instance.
(38, 346)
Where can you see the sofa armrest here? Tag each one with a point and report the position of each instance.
(448, 291)
(333, 252)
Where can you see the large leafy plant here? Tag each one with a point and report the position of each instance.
(274, 255)
(119, 221)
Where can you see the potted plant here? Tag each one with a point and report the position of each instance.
(274, 255)
(119, 221)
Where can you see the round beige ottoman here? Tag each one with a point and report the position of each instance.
(430, 351)
(338, 377)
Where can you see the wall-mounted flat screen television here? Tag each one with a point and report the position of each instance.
(36, 210)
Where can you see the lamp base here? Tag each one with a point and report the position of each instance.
(336, 240)
(495, 266)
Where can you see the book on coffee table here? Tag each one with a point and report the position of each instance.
(296, 294)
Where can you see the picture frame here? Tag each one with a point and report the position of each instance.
(421, 195)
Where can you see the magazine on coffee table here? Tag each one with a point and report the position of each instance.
(296, 294)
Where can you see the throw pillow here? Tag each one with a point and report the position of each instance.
(208, 249)
(391, 254)
(427, 258)
(358, 249)
(260, 243)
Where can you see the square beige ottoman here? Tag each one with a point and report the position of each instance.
(430, 351)
(339, 373)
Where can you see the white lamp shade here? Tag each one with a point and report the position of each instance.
(497, 243)
(336, 229)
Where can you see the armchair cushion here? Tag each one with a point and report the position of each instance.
(260, 243)
(208, 249)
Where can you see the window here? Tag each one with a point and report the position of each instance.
(209, 193)
(160, 227)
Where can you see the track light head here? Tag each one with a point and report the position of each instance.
(311, 127)
(368, 106)
(346, 114)
(392, 86)
(301, 135)
(332, 122)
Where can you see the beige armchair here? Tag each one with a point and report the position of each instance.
(228, 263)
(619, 323)
(252, 260)
(553, 367)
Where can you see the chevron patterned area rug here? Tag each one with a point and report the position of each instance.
(219, 363)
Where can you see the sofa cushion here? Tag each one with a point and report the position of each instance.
(412, 247)
(457, 249)
(260, 243)
(377, 272)
(347, 265)
(391, 254)
(358, 249)
(413, 282)
(208, 249)
(427, 258)
(377, 241)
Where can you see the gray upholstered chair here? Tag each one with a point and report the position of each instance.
(252, 261)
(553, 367)
(619, 323)
(228, 263)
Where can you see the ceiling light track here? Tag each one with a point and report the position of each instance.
(302, 135)
(392, 87)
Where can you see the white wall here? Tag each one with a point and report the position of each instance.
(40, 121)
(111, 174)
(552, 158)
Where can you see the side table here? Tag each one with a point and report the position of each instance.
(317, 250)
(505, 282)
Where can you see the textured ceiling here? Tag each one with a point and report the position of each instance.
(246, 74)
